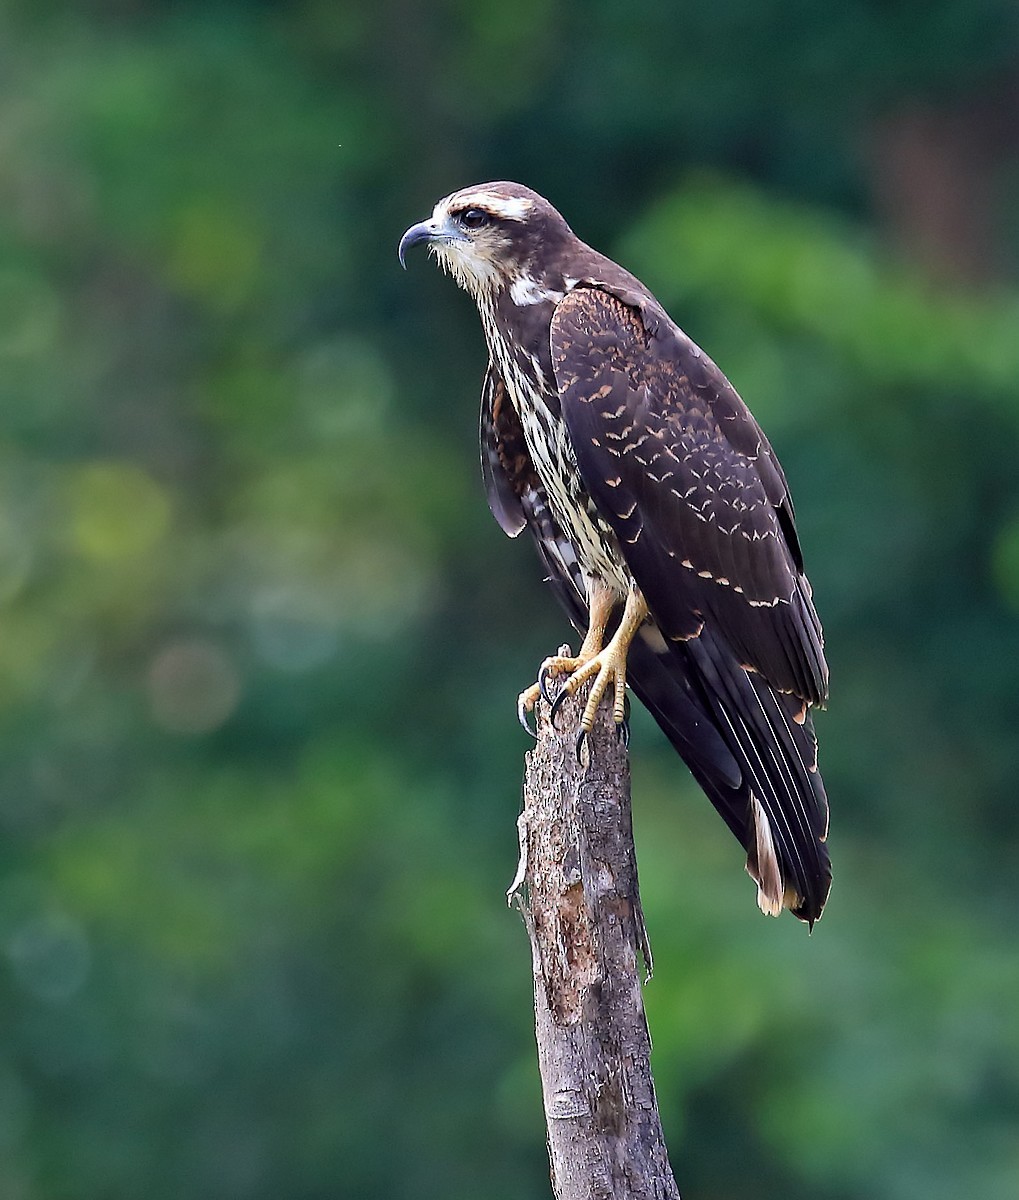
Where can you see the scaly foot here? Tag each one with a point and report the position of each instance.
(607, 666)
(601, 600)
(562, 663)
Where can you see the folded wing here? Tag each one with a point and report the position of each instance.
(680, 469)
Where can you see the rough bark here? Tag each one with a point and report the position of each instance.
(577, 889)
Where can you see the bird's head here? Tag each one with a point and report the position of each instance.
(496, 236)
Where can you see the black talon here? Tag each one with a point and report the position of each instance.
(581, 742)
(522, 718)
(544, 675)
(557, 704)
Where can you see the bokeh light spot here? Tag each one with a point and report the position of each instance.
(117, 510)
(50, 957)
(193, 686)
(215, 255)
(292, 629)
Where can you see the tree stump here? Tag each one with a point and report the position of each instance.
(577, 889)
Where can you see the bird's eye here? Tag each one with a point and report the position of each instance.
(473, 218)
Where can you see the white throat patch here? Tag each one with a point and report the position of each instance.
(473, 273)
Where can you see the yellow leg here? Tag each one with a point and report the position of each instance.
(600, 605)
(608, 664)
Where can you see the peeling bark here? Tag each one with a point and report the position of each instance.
(577, 889)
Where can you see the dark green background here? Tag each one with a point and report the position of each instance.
(260, 640)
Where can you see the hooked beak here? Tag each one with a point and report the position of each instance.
(428, 231)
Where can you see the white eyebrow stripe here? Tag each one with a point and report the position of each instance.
(511, 208)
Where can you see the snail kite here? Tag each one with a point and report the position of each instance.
(662, 517)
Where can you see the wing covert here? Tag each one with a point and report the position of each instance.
(681, 470)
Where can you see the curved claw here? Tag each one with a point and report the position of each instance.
(522, 712)
(623, 733)
(557, 704)
(582, 737)
(543, 677)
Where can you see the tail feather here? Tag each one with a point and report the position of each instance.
(777, 806)
(762, 862)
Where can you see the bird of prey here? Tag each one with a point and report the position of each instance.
(661, 515)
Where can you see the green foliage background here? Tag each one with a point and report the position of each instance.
(260, 640)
